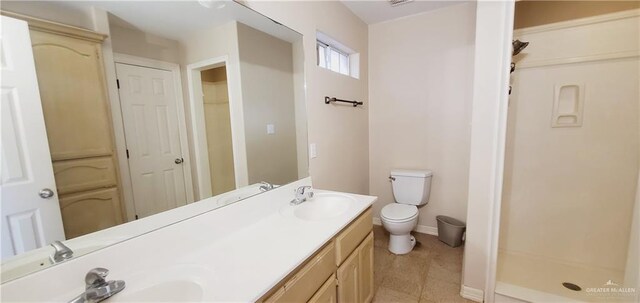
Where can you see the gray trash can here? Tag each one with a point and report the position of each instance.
(450, 230)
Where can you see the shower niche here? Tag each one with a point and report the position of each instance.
(568, 105)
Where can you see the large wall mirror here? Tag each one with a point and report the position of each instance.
(148, 113)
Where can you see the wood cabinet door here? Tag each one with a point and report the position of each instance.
(365, 266)
(327, 293)
(90, 211)
(349, 280)
(311, 277)
(73, 93)
(84, 174)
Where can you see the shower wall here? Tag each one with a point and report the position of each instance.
(569, 192)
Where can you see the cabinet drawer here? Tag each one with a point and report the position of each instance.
(327, 293)
(303, 284)
(90, 211)
(351, 236)
(84, 174)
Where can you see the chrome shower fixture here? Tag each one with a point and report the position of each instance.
(518, 46)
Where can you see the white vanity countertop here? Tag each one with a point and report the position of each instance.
(255, 259)
(236, 253)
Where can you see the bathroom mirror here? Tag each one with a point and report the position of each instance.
(154, 112)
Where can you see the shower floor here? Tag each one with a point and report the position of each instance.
(536, 279)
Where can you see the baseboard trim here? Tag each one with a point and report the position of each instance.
(423, 229)
(472, 294)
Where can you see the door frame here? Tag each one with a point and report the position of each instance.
(182, 125)
(494, 32)
(238, 143)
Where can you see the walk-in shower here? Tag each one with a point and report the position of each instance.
(571, 163)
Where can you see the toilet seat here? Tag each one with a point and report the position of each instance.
(396, 212)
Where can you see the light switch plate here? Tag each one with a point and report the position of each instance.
(313, 151)
(271, 129)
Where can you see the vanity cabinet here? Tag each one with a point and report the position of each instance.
(303, 284)
(342, 271)
(326, 293)
(348, 280)
(77, 115)
(355, 275)
(365, 264)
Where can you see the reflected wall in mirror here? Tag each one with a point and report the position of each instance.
(128, 112)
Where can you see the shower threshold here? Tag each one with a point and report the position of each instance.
(533, 278)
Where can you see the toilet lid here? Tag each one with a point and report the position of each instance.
(399, 212)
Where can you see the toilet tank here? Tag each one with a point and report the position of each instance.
(411, 186)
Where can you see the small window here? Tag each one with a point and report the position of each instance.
(332, 58)
(335, 57)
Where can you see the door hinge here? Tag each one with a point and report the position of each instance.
(118, 83)
(136, 217)
(127, 153)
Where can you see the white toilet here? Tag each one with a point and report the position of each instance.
(411, 189)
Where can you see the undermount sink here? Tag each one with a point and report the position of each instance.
(323, 206)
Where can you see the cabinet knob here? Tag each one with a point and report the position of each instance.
(179, 160)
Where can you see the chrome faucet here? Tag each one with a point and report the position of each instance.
(266, 186)
(62, 253)
(303, 193)
(97, 288)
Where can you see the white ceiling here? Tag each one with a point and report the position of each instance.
(173, 19)
(374, 11)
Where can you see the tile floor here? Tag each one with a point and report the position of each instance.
(429, 273)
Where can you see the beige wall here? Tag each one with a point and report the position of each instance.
(340, 132)
(532, 13)
(266, 69)
(203, 45)
(131, 41)
(420, 96)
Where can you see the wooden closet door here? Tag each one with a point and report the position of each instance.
(77, 115)
(74, 99)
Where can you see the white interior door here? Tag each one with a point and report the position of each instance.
(150, 118)
(30, 209)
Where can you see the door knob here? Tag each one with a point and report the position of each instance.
(45, 193)
(178, 160)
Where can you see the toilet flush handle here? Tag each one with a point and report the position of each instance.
(392, 178)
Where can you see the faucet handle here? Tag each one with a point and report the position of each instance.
(61, 253)
(96, 277)
(302, 189)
